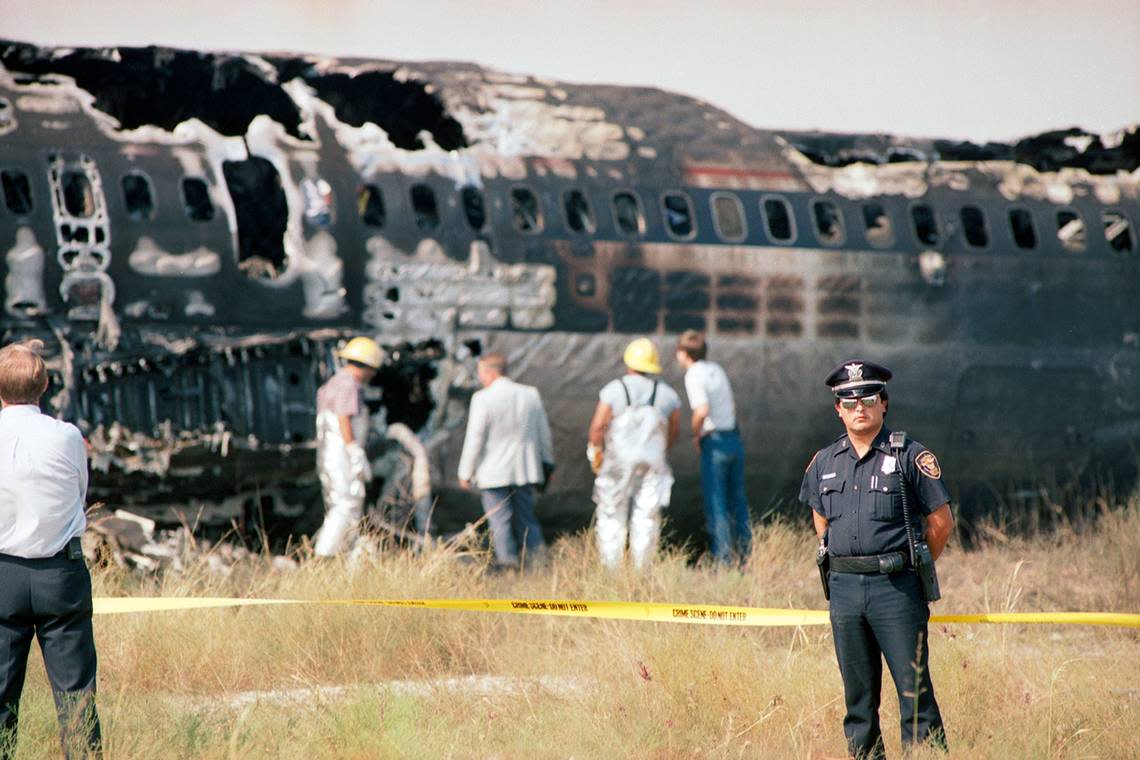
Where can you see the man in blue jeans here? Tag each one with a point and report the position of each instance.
(507, 451)
(717, 436)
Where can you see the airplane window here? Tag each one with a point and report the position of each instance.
(1021, 224)
(880, 232)
(78, 195)
(370, 206)
(925, 224)
(318, 196)
(828, 222)
(579, 215)
(474, 208)
(196, 197)
(627, 213)
(678, 214)
(1117, 231)
(425, 208)
(525, 211)
(17, 191)
(974, 226)
(728, 217)
(137, 196)
(778, 219)
(1071, 230)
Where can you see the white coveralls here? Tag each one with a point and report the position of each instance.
(344, 471)
(634, 468)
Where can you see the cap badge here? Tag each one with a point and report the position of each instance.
(854, 372)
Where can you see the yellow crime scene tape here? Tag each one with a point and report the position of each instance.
(656, 612)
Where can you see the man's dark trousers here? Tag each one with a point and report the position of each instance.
(876, 617)
(49, 599)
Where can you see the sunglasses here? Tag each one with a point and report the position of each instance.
(867, 402)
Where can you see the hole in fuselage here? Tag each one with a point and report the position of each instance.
(262, 215)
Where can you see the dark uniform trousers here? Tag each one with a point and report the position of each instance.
(50, 599)
(875, 617)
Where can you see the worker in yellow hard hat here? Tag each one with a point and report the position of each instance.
(636, 420)
(362, 352)
(342, 432)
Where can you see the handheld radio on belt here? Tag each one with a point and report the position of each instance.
(823, 561)
(920, 557)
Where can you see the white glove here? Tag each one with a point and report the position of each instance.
(358, 463)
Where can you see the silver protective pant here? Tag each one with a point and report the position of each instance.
(341, 468)
(630, 499)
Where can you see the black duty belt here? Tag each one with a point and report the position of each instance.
(891, 562)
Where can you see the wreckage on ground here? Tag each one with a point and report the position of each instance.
(193, 235)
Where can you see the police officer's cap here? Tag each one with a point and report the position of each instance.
(856, 378)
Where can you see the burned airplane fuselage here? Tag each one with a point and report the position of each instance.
(194, 233)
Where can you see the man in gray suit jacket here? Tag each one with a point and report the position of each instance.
(507, 452)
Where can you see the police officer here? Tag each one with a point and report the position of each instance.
(878, 609)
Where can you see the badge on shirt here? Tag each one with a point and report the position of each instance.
(889, 465)
(928, 465)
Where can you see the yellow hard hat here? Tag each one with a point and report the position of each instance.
(641, 356)
(362, 351)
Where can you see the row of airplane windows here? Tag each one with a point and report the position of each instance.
(628, 213)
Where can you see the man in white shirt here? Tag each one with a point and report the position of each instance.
(45, 590)
(722, 454)
(636, 420)
(507, 451)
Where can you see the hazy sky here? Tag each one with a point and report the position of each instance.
(975, 69)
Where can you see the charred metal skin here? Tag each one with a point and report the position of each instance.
(194, 233)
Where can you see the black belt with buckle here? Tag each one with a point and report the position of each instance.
(891, 562)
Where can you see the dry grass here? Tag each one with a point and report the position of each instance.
(613, 689)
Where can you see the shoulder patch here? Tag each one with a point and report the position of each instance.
(809, 464)
(928, 465)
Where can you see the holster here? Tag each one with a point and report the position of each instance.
(823, 561)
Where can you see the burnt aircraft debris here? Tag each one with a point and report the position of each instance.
(163, 88)
(1071, 148)
(134, 542)
(194, 233)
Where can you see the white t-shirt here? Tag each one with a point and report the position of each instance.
(706, 383)
(640, 389)
(43, 483)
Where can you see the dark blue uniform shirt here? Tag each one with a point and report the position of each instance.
(860, 497)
